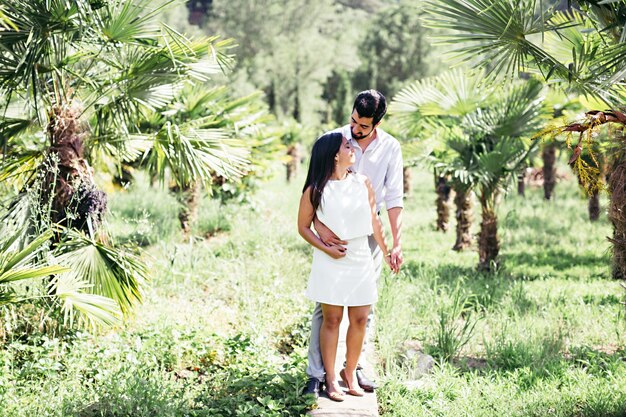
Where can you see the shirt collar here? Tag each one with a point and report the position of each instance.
(375, 143)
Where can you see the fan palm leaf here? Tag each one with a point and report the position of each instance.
(17, 265)
(27, 264)
(510, 36)
(116, 273)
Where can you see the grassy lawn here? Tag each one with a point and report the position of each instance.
(549, 327)
(224, 324)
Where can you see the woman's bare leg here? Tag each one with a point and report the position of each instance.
(354, 342)
(329, 338)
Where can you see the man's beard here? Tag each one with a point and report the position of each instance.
(359, 136)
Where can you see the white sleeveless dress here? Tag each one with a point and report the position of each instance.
(350, 280)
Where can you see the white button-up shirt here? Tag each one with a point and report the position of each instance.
(382, 164)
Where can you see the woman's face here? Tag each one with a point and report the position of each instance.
(345, 156)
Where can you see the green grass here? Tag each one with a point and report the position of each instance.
(224, 324)
(550, 340)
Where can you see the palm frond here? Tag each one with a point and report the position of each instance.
(18, 167)
(517, 113)
(128, 21)
(499, 31)
(92, 310)
(194, 154)
(22, 264)
(112, 272)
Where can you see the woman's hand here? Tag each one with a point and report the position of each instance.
(336, 251)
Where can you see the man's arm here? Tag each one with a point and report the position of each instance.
(305, 216)
(326, 235)
(394, 196)
(395, 222)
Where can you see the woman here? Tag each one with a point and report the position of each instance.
(341, 276)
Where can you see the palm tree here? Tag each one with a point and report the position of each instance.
(432, 109)
(208, 112)
(485, 139)
(76, 79)
(582, 50)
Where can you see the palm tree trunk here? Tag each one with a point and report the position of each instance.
(617, 212)
(69, 189)
(488, 242)
(406, 178)
(549, 170)
(292, 165)
(521, 182)
(594, 206)
(188, 199)
(463, 203)
(443, 204)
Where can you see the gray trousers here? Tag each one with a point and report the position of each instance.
(315, 369)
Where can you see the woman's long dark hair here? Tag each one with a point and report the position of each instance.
(322, 165)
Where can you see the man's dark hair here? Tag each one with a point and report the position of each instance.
(370, 103)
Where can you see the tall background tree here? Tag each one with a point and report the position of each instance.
(288, 49)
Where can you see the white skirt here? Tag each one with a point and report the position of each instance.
(347, 281)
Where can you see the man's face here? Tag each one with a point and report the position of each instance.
(361, 127)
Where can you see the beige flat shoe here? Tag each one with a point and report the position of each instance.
(356, 392)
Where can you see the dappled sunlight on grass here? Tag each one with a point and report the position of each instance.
(551, 298)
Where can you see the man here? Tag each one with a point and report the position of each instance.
(379, 157)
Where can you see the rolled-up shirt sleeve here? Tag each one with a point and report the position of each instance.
(394, 180)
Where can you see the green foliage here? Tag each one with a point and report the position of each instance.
(207, 339)
(112, 66)
(69, 280)
(114, 272)
(142, 215)
(214, 218)
(582, 50)
(163, 372)
(277, 40)
(539, 353)
(478, 127)
(549, 341)
(18, 265)
(391, 53)
(455, 325)
(480, 133)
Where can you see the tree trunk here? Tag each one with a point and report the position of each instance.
(488, 243)
(549, 170)
(292, 165)
(617, 214)
(521, 183)
(188, 199)
(463, 203)
(69, 190)
(296, 99)
(594, 206)
(406, 171)
(443, 204)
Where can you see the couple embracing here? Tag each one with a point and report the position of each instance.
(353, 172)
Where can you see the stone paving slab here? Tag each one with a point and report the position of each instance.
(366, 406)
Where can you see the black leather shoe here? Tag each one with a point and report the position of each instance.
(313, 387)
(365, 382)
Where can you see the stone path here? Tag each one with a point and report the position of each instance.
(366, 406)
